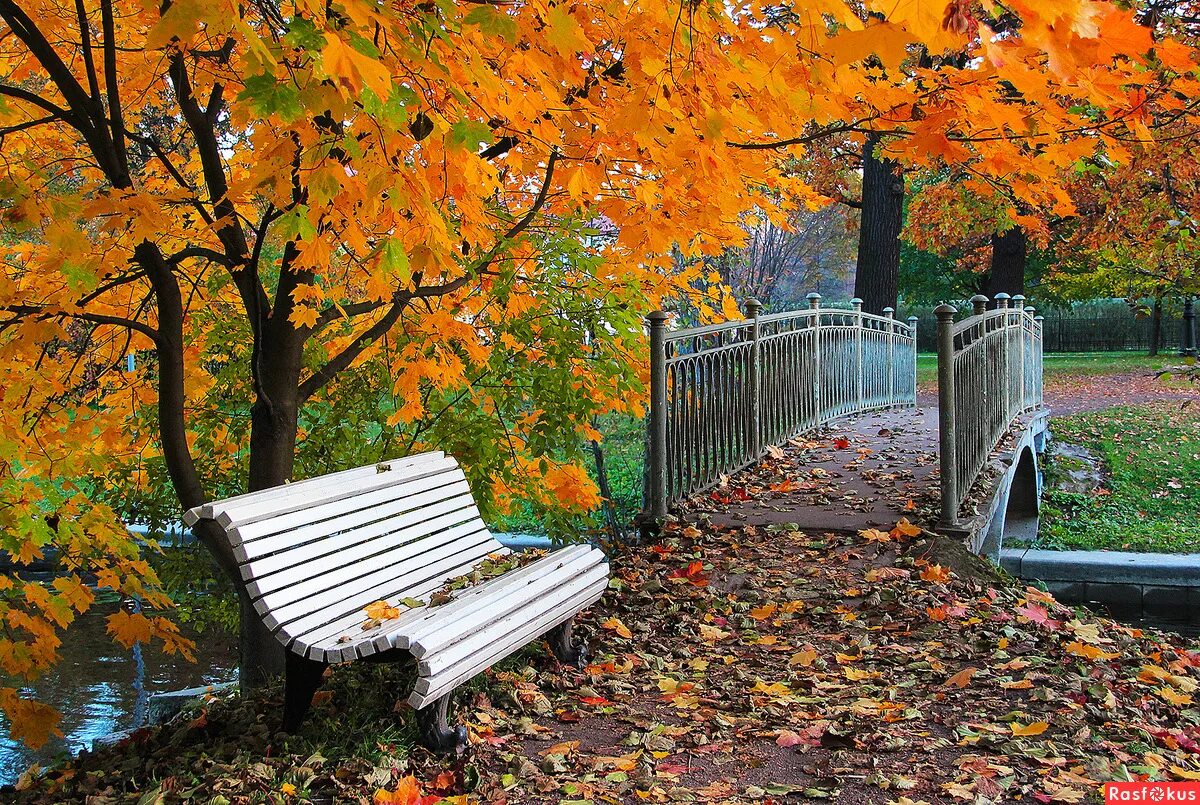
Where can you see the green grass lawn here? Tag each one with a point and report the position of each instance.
(1149, 499)
(1075, 364)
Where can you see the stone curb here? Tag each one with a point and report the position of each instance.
(1152, 585)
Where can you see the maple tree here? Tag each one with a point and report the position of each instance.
(439, 205)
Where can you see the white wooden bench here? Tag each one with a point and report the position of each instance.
(315, 553)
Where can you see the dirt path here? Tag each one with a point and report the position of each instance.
(1072, 394)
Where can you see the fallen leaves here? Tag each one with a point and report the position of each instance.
(1027, 730)
(935, 574)
(962, 678)
(615, 625)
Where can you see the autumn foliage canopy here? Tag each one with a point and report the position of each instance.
(440, 221)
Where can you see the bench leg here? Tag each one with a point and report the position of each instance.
(565, 649)
(302, 677)
(434, 731)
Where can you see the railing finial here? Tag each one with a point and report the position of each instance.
(889, 312)
(979, 304)
(1002, 300)
(752, 307)
(856, 303)
(814, 300)
(1018, 302)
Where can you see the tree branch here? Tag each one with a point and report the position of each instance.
(346, 357)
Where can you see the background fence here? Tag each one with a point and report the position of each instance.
(719, 395)
(1090, 328)
(989, 373)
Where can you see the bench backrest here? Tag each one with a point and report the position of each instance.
(318, 551)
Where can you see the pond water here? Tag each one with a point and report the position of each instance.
(101, 688)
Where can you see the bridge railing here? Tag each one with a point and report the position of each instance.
(989, 373)
(720, 394)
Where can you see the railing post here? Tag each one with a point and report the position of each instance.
(658, 416)
(912, 325)
(946, 424)
(754, 421)
(814, 303)
(890, 314)
(1039, 335)
(859, 335)
(979, 304)
(1002, 301)
(1187, 339)
(1018, 302)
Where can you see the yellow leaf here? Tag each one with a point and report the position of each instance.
(1173, 697)
(128, 628)
(1036, 728)
(303, 316)
(381, 611)
(763, 612)
(711, 634)
(615, 625)
(1090, 652)
(804, 658)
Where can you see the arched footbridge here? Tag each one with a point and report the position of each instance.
(828, 398)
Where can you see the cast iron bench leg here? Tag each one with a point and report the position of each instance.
(302, 677)
(434, 730)
(565, 649)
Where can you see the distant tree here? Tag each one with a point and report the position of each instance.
(779, 265)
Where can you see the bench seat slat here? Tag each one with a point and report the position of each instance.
(326, 637)
(284, 550)
(495, 631)
(288, 500)
(431, 688)
(208, 511)
(509, 590)
(300, 617)
(440, 632)
(305, 570)
(348, 623)
(319, 521)
(351, 569)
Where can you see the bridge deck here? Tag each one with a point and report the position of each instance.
(860, 472)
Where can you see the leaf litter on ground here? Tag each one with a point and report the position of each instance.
(805, 666)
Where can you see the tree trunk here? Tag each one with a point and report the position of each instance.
(877, 275)
(1156, 325)
(273, 429)
(1007, 274)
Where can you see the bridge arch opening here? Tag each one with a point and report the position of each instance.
(1017, 518)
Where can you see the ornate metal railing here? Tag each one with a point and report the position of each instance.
(989, 374)
(719, 395)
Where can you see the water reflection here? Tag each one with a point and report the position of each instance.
(101, 688)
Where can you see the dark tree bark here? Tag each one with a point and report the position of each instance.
(878, 272)
(1009, 251)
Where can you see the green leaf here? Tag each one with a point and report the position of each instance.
(469, 134)
(267, 96)
(395, 260)
(295, 224)
(493, 21)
